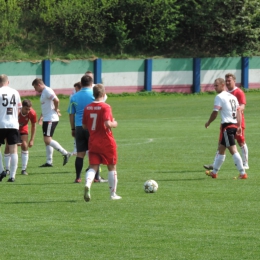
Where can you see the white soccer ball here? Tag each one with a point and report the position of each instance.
(150, 186)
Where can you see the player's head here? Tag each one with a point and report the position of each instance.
(86, 81)
(219, 85)
(26, 106)
(99, 91)
(4, 81)
(230, 81)
(38, 85)
(90, 73)
(77, 86)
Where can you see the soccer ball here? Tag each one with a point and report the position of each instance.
(150, 186)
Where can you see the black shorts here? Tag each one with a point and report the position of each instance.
(81, 137)
(228, 137)
(48, 128)
(11, 135)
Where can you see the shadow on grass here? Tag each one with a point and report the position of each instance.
(174, 172)
(42, 183)
(50, 173)
(174, 180)
(39, 202)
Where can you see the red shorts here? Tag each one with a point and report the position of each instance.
(103, 158)
(23, 130)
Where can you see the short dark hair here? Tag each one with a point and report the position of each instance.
(26, 103)
(78, 85)
(86, 81)
(37, 81)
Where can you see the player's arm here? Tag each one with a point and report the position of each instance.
(40, 119)
(241, 100)
(33, 131)
(239, 129)
(212, 117)
(72, 124)
(110, 124)
(56, 102)
(242, 107)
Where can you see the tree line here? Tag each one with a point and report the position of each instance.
(158, 27)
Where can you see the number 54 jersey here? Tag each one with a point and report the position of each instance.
(101, 138)
(10, 103)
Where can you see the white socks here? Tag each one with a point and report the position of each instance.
(54, 144)
(25, 158)
(90, 175)
(219, 159)
(7, 159)
(13, 165)
(244, 154)
(1, 163)
(216, 155)
(49, 153)
(238, 162)
(112, 180)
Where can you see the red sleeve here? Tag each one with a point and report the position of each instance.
(240, 95)
(107, 115)
(33, 116)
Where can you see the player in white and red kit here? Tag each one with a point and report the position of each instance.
(98, 119)
(26, 115)
(240, 95)
(230, 80)
(227, 105)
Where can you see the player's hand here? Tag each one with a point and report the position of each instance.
(207, 124)
(114, 123)
(40, 121)
(239, 131)
(58, 112)
(30, 144)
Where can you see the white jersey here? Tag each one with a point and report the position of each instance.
(227, 104)
(47, 105)
(10, 103)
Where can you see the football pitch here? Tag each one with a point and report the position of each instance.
(161, 137)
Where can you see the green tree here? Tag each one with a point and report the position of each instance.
(70, 22)
(10, 14)
(215, 27)
(147, 25)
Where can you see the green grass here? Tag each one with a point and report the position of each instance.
(161, 137)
